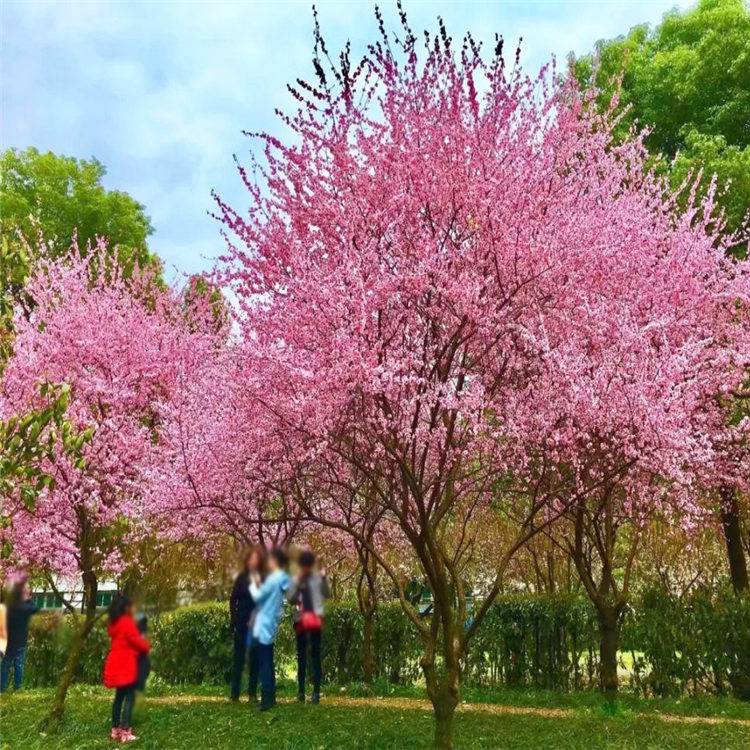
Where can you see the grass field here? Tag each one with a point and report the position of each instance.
(202, 718)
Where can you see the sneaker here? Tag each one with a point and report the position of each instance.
(316, 698)
(126, 735)
(301, 698)
(115, 733)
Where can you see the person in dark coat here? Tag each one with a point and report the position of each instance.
(144, 660)
(19, 611)
(121, 665)
(241, 611)
(308, 592)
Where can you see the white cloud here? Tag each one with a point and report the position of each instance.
(159, 91)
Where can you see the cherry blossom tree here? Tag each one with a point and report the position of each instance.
(464, 299)
(116, 345)
(219, 467)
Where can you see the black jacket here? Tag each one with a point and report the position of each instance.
(144, 660)
(241, 604)
(18, 616)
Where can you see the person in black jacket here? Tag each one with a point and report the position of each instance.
(20, 610)
(241, 609)
(144, 660)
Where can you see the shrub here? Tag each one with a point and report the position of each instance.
(699, 643)
(49, 642)
(538, 640)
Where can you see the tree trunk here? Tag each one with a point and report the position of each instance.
(730, 522)
(443, 679)
(609, 631)
(368, 646)
(739, 678)
(74, 655)
(367, 600)
(444, 701)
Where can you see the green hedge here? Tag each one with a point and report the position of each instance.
(49, 643)
(545, 641)
(695, 644)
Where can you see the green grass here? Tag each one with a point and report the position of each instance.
(515, 719)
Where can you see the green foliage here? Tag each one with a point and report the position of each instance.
(688, 80)
(25, 440)
(543, 641)
(679, 647)
(692, 645)
(193, 644)
(51, 634)
(53, 198)
(59, 196)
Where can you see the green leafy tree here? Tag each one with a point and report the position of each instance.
(688, 81)
(59, 196)
(54, 198)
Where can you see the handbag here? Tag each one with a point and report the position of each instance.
(310, 621)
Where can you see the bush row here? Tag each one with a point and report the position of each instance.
(699, 643)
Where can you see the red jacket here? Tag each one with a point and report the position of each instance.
(121, 664)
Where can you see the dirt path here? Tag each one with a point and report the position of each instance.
(416, 704)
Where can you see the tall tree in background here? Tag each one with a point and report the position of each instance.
(53, 198)
(688, 81)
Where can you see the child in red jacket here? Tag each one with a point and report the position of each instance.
(121, 665)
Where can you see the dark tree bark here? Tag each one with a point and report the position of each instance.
(367, 600)
(609, 630)
(730, 523)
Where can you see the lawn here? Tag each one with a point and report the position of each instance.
(202, 718)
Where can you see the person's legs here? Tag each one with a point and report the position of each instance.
(18, 664)
(273, 677)
(267, 675)
(252, 658)
(117, 707)
(238, 662)
(128, 701)
(301, 663)
(4, 672)
(315, 639)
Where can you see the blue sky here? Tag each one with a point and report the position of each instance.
(159, 91)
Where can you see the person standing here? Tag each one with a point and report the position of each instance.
(269, 599)
(241, 611)
(121, 665)
(308, 592)
(19, 611)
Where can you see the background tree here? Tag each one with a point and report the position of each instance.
(53, 198)
(688, 81)
(119, 358)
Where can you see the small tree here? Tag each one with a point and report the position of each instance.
(116, 351)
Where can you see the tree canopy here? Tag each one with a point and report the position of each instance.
(60, 196)
(688, 81)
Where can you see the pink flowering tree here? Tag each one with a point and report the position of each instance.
(219, 468)
(115, 343)
(444, 265)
